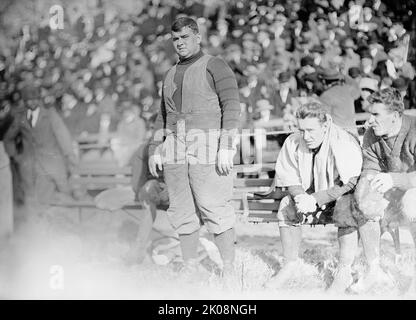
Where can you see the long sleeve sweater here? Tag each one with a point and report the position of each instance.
(395, 155)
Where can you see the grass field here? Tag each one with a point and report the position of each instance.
(58, 256)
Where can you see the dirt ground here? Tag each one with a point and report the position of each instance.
(65, 255)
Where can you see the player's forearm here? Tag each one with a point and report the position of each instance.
(333, 193)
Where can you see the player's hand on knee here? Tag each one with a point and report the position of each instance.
(155, 163)
(382, 182)
(305, 203)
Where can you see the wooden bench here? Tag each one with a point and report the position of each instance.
(93, 178)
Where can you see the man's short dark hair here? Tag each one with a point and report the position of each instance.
(183, 22)
(312, 109)
(390, 97)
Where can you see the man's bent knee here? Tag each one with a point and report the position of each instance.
(287, 215)
(370, 203)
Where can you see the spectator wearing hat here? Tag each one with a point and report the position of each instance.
(401, 84)
(317, 52)
(284, 93)
(338, 96)
(349, 57)
(367, 87)
(381, 70)
(331, 56)
(302, 49)
(398, 65)
(47, 152)
(311, 84)
(307, 69)
(355, 73)
(366, 66)
(376, 50)
(263, 109)
(321, 26)
(277, 52)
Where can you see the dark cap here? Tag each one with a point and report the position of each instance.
(364, 52)
(321, 16)
(312, 77)
(400, 84)
(372, 39)
(30, 92)
(307, 61)
(318, 48)
(284, 76)
(331, 74)
(354, 72)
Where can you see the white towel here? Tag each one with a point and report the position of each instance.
(339, 151)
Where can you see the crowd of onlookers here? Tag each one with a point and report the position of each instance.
(280, 51)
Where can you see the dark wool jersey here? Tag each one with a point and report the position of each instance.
(221, 79)
(395, 155)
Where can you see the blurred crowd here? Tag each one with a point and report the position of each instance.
(106, 66)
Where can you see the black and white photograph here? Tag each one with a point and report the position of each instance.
(238, 150)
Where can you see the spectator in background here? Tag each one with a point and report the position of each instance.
(350, 59)
(47, 153)
(366, 66)
(401, 84)
(132, 49)
(277, 50)
(339, 96)
(130, 134)
(376, 50)
(264, 109)
(6, 194)
(355, 73)
(367, 87)
(317, 52)
(284, 94)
